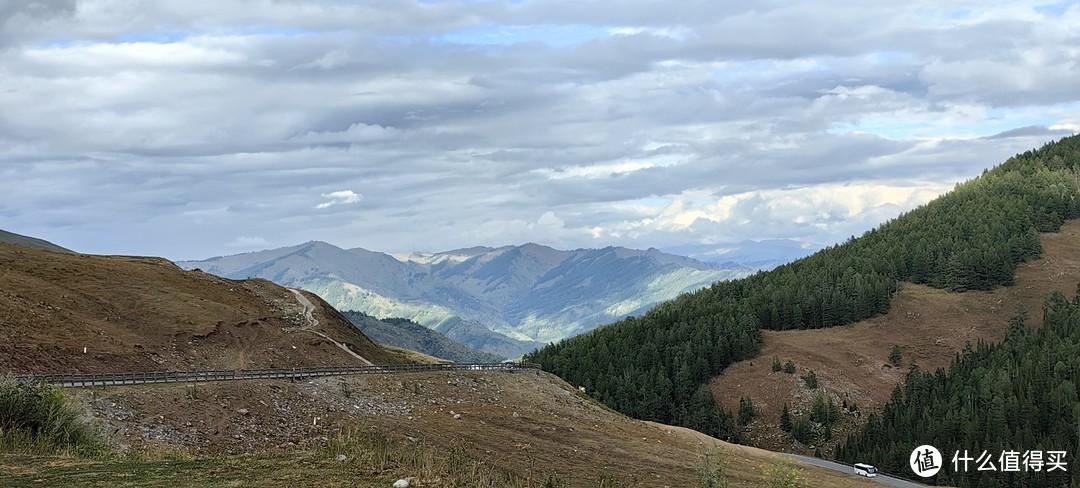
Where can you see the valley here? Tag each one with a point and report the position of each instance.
(494, 428)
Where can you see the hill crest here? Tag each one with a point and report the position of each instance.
(30, 242)
(146, 314)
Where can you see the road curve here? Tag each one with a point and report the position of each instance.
(843, 468)
(310, 322)
(309, 309)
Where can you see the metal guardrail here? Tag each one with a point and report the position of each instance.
(83, 380)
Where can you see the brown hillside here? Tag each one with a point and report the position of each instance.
(146, 314)
(930, 326)
(512, 420)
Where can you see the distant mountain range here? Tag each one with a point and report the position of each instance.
(505, 301)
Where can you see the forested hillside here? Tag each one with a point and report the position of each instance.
(407, 334)
(972, 238)
(1017, 396)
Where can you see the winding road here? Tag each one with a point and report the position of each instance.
(310, 322)
(843, 468)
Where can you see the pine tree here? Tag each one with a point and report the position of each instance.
(785, 419)
(776, 364)
(818, 412)
(896, 356)
(802, 430)
(746, 410)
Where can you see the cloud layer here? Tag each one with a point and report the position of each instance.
(185, 128)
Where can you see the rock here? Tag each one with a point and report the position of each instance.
(340, 457)
(242, 411)
(457, 416)
(401, 484)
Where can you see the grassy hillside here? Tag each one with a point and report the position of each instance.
(30, 242)
(65, 312)
(654, 366)
(439, 429)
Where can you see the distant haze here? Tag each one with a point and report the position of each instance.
(195, 128)
(504, 301)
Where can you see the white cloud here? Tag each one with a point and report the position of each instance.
(249, 242)
(357, 132)
(170, 127)
(814, 213)
(341, 197)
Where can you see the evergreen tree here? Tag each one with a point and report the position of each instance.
(817, 412)
(775, 364)
(802, 430)
(896, 356)
(746, 410)
(785, 419)
(789, 367)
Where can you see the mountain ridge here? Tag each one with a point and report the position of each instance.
(526, 295)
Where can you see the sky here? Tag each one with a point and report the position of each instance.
(196, 128)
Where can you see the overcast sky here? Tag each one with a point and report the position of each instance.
(194, 128)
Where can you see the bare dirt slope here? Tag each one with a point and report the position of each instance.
(931, 326)
(524, 421)
(146, 314)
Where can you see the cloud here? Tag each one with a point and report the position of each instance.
(171, 127)
(356, 133)
(249, 242)
(341, 197)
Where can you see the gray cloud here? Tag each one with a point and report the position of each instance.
(189, 129)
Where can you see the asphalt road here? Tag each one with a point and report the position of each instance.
(843, 468)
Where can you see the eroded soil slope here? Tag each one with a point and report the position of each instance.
(146, 314)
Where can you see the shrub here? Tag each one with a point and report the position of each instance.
(712, 469)
(783, 473)
(38, 418)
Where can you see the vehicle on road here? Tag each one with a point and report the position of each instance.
(865, 470)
